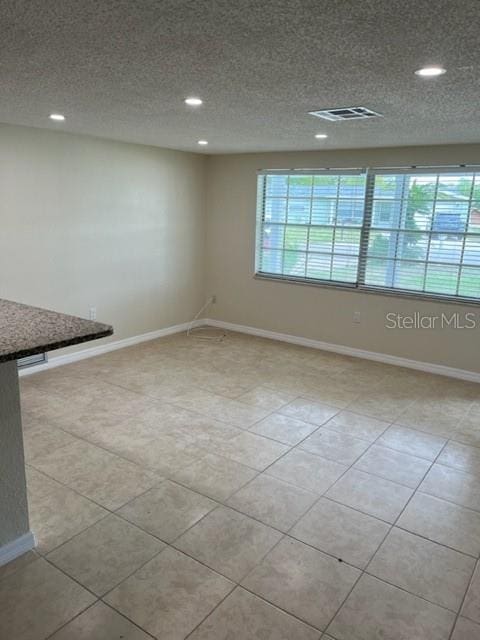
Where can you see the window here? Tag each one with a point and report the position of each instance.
(415, 231)
(310, 226)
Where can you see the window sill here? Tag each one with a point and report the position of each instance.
(389, 293)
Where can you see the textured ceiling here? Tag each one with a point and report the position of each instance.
(121, 69)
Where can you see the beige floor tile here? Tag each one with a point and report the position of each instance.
(19, 563)
(242, 544)
(335, 446)
(381, 404)
(378, 611)
(272, 501)
(100, 622)
(302, 581)
(424, 568)
(105, 554)
(357, 425)
(170, 595)
(203, 419)
(29, 421)
(266, 398)
(466, 630)
(204, 431)
(332, 392)
(243, 616)
(190, 427)
(415, 443)
(42, 440)
(471, 606)
(372, 495)
(229, 387)
(215, 406)
(164, 454)
(46, 406)
(443, 522)
(309, 411)
(432, 416)
(119, 401)
(38, 484)
(307, 471)
(455, 486)
(97, 474)
(292, 382)
(462, 457)
(87, 423)
(467, 430)
(106, 402)
(342, 532)
(38, 600)
(215, 476)
(393, 465)
(53, 380)
(168, 510)
(127, 435)
(251, 450)
(57, 513)
(284, 429)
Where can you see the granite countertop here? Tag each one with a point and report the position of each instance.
(26, 331)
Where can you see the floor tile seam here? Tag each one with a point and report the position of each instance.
(463, 601)
(145, 469)
(82, 495)
(90, 607)
(412, 593)
(348, 468)
(106, 515)
(414, 493)
(395, 525)
(190, 633)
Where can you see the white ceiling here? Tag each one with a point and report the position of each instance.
(122, 68)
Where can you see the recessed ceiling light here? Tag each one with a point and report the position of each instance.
(57, 116)
(203, 142)
(321, 136)
(430, 72)
(193, 102)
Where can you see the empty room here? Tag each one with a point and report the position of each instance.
(239, 320)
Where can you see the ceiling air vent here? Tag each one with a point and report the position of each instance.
(346, 113)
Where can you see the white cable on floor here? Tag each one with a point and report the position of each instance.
(193, 332)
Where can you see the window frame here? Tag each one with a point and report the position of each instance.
(365, 230)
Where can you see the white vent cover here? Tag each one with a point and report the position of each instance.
(346, 113)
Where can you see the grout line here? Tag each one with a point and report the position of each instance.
(470, 582)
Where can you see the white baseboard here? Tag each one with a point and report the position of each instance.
(17, 547)
(428, 367)
(97, 350)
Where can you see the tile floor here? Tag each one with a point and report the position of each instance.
(243, 490)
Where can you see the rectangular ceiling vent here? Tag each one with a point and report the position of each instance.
(346, 113)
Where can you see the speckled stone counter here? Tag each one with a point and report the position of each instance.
(26, 331)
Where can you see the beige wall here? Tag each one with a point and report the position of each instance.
(315, 312)
(90, 222)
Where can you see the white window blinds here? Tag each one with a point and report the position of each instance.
(411, 230)
(310, 225)
(424, 232)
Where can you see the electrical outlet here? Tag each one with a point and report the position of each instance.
(357, 317)
(214, 299)
(92, 313)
